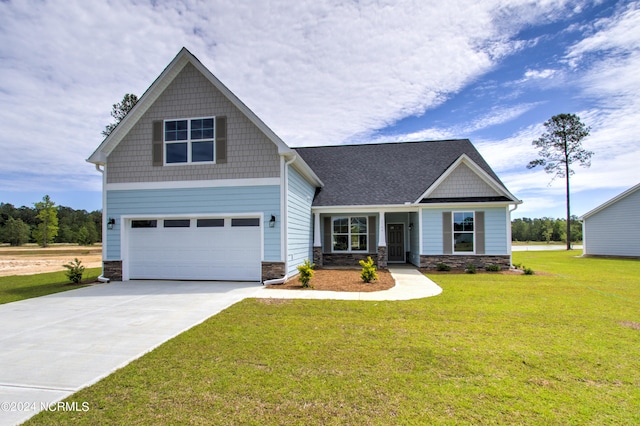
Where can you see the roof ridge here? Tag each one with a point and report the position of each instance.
(383, 143)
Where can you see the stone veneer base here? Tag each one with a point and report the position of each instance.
(461, 261)
(272, 270)
(112, 269)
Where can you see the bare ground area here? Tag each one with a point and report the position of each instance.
(340, 280)
(30, 259)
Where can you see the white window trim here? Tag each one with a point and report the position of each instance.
(189, 141)
(453, 232)
(349, 250)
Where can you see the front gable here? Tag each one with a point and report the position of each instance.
(249, 152)
(465, 181)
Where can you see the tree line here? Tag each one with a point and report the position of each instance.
(46, 223)
(545, 229)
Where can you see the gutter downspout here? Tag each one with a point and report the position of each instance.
(284, 213)
(515, 207)
(102, 278)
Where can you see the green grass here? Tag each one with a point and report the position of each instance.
(19, 287)
(559, 347)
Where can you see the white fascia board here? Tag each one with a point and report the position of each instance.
(464, 158)
(610, 202)
(185, 184)
(387, 208)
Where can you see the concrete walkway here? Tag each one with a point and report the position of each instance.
(53, 346)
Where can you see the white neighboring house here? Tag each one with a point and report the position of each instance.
(613, 229)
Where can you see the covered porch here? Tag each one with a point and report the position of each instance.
(344, 237)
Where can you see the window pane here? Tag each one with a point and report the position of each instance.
(177, 223)
(340, 243)
(463, 221)
(245, 222)
(144, 223)
(177, 153)
(341, 225)
(463, 242)
(358, 242)
(175, 130)
(202, 128)
(359, 225)
(201, 151)
(210, 223)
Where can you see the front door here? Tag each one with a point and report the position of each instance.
(395, 242)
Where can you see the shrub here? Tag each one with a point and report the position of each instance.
(368, 273)
(470, 269)
(527, 271)
(74, 271)
(492, 267)
(306, 273)
(443, 267)
(517, 265)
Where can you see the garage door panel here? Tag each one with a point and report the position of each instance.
(196, 253)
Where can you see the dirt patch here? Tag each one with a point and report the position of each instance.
(28, 260)
(340, 280)
(630, 324)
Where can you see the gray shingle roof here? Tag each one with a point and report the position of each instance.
(382, 174)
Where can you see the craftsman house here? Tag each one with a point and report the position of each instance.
(197, 187)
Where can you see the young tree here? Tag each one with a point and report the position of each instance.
(119, 110)
(561, 146)
(15, 232)
(48, 226)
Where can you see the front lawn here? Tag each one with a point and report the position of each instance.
(555, 348)
(18, 287)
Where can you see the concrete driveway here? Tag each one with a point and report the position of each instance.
(54, 345)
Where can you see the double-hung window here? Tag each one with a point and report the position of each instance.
(463, 232)
(189, 140)
(349, 233)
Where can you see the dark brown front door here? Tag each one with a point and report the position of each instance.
(395, 242)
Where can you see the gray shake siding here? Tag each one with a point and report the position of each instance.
(249, 153)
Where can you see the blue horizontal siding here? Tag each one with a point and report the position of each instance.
(495, 229)
(187, 201)
(299, 220)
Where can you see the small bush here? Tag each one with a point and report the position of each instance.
(443, 267)
(368, 273)
(517, 265)
(470, 268)
(528, 271)
(492, 268)
(306, 273)
(74, 271)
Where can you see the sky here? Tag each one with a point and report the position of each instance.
(331, 72)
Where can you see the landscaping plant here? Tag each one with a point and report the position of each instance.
(74, 271)
(306, 273)
(368, 273)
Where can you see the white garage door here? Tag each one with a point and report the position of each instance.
(195, 249)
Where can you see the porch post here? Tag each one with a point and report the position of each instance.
(317, 240)
(382, 242)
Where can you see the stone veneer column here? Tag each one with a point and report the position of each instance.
(382, 257)
(317, 241)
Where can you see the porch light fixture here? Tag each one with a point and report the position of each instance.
(272, 221)
(110, 223)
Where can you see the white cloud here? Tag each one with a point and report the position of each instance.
(317, 72)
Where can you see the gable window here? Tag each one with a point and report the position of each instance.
(463, 232)
(189, 140)
(349, 233)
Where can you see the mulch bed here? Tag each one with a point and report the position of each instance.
(340, 280)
